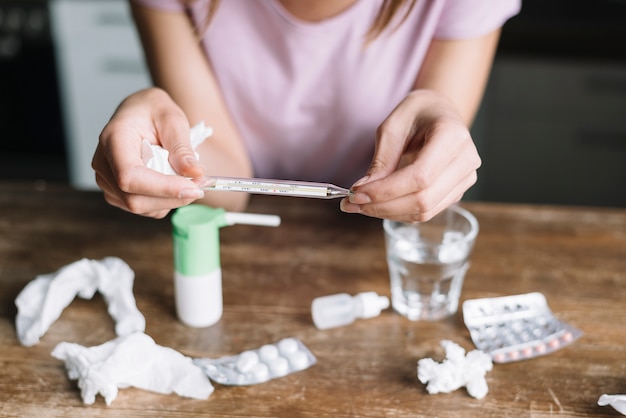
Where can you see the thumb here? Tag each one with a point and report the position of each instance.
(391, 142)
(175, 138)
(184, 161)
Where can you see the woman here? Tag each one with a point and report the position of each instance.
(379, 94)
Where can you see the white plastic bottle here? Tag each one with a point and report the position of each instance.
(197, 270)
(342, 309)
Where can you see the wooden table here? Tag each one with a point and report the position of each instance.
(576, 257)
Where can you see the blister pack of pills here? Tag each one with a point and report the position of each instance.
(267, 362)
(518, 327)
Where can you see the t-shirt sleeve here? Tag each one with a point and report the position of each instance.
(165, 5)
(461, 19)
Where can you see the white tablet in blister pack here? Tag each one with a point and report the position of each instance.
(267, 362)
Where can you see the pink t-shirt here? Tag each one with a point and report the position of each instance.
(307, 97)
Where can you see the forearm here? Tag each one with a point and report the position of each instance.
(425, 158)
(178, 66)
(459, 70)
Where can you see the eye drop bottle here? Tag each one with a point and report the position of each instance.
(342, 309)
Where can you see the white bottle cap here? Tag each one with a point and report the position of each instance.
(372, 304)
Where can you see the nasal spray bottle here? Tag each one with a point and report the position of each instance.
(198, 274)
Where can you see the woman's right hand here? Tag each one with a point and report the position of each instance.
(120, 172)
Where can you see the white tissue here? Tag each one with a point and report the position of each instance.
(132, 361)
(455, 371)
(618, 402)
(156, 157)
(42, 301)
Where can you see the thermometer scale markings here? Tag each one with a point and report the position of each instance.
(270, 188)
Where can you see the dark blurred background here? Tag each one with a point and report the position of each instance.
(552, 127)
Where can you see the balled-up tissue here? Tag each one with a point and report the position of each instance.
(156, 157)
(132, 361)
(455, 371)
(618, 402)
(42, 301)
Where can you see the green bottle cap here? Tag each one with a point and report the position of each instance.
(196, 239)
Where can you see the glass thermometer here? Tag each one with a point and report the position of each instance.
(274, 187)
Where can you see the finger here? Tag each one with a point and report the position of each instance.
(147, 182)
(410, 208)
(453, 182)
(153, 207)
(392, 137)
(123, 160)
(443, 143)
(460, 173)
(147, 192)
(157, 214)
(112, 194)
(422, 205)
(405, 130)
(163, 124)
(106, 180)
(174, 134)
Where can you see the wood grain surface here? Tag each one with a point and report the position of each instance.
(576, 257)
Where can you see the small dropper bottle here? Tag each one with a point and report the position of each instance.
(342, 309)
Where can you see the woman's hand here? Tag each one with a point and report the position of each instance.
(424, 161)
(120, 172)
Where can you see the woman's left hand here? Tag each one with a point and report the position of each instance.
(425, 160)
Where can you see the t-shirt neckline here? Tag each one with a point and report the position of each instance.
(326, 24)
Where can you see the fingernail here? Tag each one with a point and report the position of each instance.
(361, 181)
(191, 194)
(192, 161)
(347, 207)
(359, 198)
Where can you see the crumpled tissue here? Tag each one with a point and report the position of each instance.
(618, 402)
(156, 157)
(456, 370)
(134, 360)
(42, 301)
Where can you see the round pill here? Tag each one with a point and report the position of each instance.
(527, 351)
(541, 348)
(298, 360)
(246, 361)
(238, 379)
(514, 355)
(279, 366)
(567, 337)
(287, 346)
(268, 352)
(260, 372)
(499, 358)
(554, 343)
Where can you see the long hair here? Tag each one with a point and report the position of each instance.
(388, 10)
